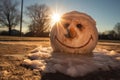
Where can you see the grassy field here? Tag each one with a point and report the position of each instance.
(20, 45)
(14, 38)
(113, 41)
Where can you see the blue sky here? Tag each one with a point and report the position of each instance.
(105, 12)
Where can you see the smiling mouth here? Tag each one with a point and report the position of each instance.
(91, 38)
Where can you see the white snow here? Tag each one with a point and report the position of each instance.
(73, 65)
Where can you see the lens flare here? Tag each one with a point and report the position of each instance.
(55, 17)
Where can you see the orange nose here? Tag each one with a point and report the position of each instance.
(71, 32)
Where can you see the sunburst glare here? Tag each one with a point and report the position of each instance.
(55, 18)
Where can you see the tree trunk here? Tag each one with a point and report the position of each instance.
(10, 30)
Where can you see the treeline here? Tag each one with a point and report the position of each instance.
(111, 34)
(15, 32)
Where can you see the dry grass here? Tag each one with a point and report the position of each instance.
(20, 45)
(14, 38)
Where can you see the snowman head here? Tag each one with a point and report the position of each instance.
(75, 33)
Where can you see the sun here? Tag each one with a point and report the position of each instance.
(55, 17)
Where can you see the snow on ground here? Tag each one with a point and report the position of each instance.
(43, 59)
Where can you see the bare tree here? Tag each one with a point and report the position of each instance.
(39, 15)
(117, 28)
(9, 14)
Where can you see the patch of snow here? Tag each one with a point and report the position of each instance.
(43, 59)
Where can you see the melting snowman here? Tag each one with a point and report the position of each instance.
(73, 39)
(75, 33)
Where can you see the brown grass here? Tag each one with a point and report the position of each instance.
(14, 38)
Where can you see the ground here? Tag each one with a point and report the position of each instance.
(14, 49)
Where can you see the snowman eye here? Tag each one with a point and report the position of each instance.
(66, 25)
(79, 26)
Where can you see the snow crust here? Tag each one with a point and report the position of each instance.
(74, 65)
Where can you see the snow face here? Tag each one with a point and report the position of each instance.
(75, 33)
(43, 59)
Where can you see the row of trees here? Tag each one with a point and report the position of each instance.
(38, 14)
(111, 34)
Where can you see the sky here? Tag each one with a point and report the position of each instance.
(105, 12)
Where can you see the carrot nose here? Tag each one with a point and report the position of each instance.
(71, 33)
